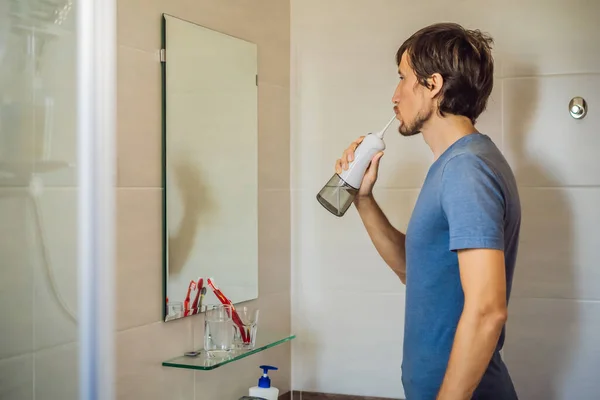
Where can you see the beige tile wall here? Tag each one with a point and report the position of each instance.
(143, 341)
(343, 79)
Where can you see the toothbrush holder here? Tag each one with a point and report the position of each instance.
(249, 318)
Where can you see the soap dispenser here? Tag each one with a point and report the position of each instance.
(264, 389)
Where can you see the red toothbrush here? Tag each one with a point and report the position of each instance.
(186, 303)
(234, 315)
(195, 303)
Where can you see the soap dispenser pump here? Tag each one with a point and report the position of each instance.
(264, 389)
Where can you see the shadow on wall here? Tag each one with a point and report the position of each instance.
(197, 205)
(538, 344)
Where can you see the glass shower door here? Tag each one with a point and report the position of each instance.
(47, 239)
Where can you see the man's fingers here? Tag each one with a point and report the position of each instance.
(338, 166)
(374, 166)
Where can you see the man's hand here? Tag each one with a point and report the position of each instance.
(366, 186)
(483, 278)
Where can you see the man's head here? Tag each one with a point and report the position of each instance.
(444, 70)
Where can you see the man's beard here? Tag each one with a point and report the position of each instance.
(417, 126)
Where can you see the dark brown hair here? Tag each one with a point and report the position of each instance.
(464, 60)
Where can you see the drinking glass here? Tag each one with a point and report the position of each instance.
(218, 330)
(245, 333)
(174, 310)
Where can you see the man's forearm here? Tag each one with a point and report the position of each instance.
(474, 344)
(388, 241)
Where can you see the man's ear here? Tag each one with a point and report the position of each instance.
(434, 84)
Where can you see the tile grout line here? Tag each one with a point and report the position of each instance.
(31, 233)
(502, 138)
(588, 301)
(552, 75)
(407, 189)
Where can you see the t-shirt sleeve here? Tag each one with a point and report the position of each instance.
(473, 204)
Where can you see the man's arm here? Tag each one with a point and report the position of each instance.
(388, 241)
(484, 314)
(474, 205)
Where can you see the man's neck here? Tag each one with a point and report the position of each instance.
(441, 132)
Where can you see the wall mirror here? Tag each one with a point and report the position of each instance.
(210, 187)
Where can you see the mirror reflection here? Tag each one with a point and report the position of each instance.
(210, 167)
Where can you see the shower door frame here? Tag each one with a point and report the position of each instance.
(96, 127)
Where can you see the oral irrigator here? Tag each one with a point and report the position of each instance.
(338, 193)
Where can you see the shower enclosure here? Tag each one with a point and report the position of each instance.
(57, 113)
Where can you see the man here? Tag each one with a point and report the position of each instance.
(458, 255)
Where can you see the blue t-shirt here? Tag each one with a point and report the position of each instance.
(469, 200)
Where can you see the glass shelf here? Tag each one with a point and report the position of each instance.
(203, 362)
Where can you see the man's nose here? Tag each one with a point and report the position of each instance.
(396, 96)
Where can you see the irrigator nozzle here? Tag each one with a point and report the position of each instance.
(382, 132)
